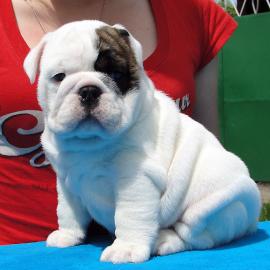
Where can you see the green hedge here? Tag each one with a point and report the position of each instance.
(244, 94)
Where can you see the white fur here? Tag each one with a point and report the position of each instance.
(143, 168)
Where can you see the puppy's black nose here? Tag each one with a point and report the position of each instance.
(89, 95)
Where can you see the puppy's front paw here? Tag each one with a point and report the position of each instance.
(64, 238)
(121, 252)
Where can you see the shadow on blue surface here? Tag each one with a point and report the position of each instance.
(260, 235)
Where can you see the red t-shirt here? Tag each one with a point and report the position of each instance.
(189, 33)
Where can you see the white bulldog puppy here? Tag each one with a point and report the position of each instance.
(124, 155)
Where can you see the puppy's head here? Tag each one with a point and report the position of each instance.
(91, 79)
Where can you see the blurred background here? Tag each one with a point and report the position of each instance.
(245, 7)
(244, 90)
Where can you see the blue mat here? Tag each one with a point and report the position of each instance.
(249, 253)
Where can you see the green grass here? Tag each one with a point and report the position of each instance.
(265, 213)
(230, 9)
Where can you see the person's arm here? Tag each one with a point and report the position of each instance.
(206, 105)
(216, 28)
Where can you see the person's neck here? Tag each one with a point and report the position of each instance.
(63, 11)
(75, 3)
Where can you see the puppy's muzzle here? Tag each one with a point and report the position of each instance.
(89, 95)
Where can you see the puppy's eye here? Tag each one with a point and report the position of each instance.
(59, 77)
(116, 75)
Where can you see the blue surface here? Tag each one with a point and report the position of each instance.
(249, 253)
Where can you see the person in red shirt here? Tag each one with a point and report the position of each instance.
(180, 40)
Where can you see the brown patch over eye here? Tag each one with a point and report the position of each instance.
(116, 58)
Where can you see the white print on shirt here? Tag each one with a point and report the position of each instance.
(7, 149)
(183, 103)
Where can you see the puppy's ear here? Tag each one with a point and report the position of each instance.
(123, 32)
(134, 43)
(32, 60)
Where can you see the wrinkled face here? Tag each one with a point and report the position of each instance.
(89, 83)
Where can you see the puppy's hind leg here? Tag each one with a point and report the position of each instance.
(222, 227)
(168, 242)
(194, 238)
(220, 217)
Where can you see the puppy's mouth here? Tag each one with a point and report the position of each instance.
(94, 139)
(78, 117)
(89, 127)
(86, 127)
